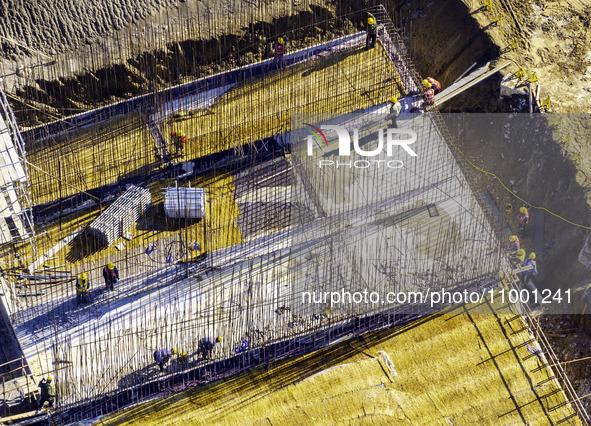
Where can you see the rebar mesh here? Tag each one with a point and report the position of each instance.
(227, 274)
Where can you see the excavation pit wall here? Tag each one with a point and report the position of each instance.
(445, 40)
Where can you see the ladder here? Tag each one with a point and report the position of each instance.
(16, 218)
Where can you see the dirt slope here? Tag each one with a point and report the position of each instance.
(552, 40)
(53, 26)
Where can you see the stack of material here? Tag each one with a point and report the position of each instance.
(117, 219)
(185, 203)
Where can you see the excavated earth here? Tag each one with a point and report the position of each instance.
(547, 38)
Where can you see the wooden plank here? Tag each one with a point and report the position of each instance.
(467, 82)
(465, 72)
(522, 269)
(24, 416)
(52, 251)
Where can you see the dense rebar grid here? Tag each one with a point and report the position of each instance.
(421, 230)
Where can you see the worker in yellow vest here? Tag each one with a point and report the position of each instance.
(82, 295)
(518, 258)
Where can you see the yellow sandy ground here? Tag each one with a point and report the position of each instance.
(220, 223)
(452, 369)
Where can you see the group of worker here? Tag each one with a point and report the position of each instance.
(515, 250)
(161, 357)
(517, 254)
(110, 275)
(205, 349)
(430, 88)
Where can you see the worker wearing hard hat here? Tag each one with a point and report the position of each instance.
(395, 108)
(428, 93)
(180, 140)
(47, 392)
(111, 275)
(519, 257)
(279, 49)
(372, 32)
(162, 356)
(531, 261)
(207, 344)
(513, 244)
(183, 357)
(82, 294)
(523, 219)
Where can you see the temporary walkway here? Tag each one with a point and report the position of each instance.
(470, 80)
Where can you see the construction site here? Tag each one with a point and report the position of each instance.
(182, 155)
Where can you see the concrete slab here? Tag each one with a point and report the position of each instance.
(381, 230)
